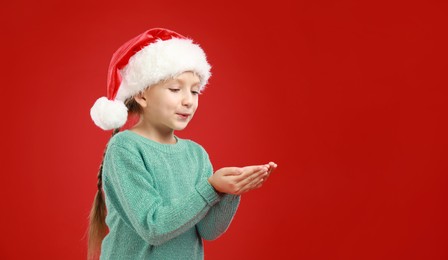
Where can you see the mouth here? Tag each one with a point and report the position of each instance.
(183, 115)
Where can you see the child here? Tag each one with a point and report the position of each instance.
(162, 196)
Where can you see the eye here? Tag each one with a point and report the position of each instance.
(174, 89)
(196, 92)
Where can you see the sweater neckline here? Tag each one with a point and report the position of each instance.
(168, 148)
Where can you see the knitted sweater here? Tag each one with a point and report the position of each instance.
(159, 201)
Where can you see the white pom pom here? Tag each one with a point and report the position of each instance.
(109, 114)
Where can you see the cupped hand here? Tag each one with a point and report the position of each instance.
(237, 180)
(272, 166)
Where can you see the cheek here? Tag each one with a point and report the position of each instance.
(196, 105)
(164, 105)
(157, 108)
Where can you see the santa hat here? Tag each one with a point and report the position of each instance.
(150, 57)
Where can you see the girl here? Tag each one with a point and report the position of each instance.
(162, 196)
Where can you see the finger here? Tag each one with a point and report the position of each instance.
(261, 179)
(254, 185)
(258, 184)
(247, 189)
(258, 174)
(255, 177)
(253, 168)
(249, 171)
(251, 182)
(272, 166)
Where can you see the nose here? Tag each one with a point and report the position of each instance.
(187, 99)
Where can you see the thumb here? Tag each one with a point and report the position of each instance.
(253, 168)
(232, 171)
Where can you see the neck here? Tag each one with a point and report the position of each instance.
(164, 136)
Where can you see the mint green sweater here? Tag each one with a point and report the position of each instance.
(159, 202)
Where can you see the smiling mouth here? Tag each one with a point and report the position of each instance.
(183, 116)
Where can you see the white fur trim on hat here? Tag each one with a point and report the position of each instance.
(162, 60)
(109, 114)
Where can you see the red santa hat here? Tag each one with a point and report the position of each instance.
(150, 57)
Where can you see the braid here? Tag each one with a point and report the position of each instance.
(97, 224)
(99, 183)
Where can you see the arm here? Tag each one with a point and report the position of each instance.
(133, 194)
(219, 217)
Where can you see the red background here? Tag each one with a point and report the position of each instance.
(348, 97)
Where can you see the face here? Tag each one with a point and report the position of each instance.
(170, 105)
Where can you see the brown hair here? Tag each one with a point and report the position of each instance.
(97, 218)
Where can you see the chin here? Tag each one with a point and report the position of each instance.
(180, 127)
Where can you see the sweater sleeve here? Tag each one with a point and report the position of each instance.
(219, 217)
(134, 196)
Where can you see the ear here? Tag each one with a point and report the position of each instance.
(141, 99)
